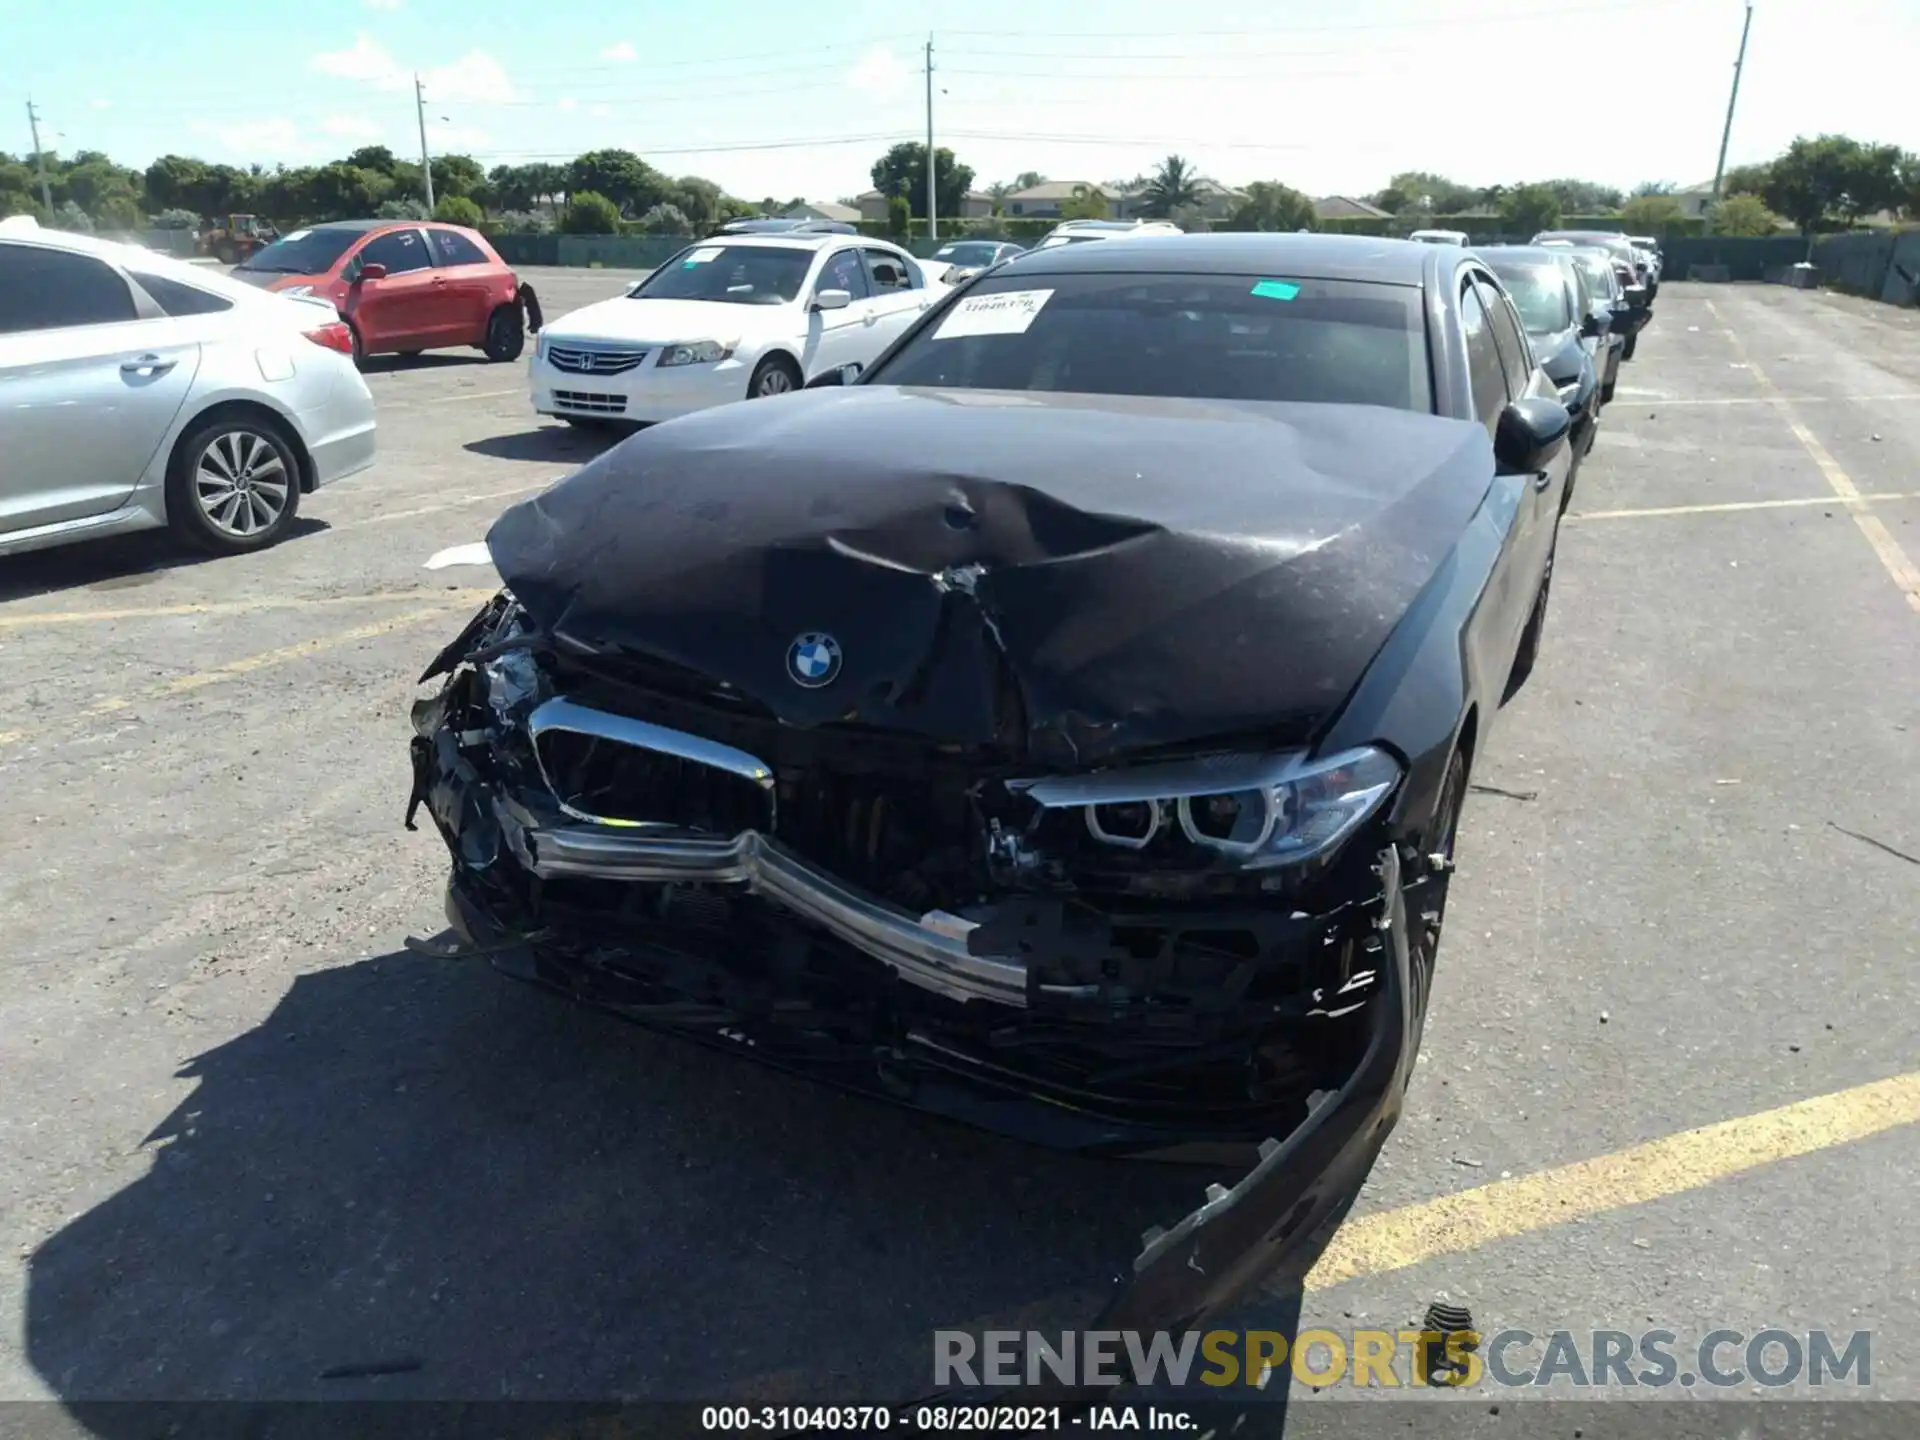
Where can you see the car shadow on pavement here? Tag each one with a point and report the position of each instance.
(419, 1167)
(549, 443)
(122, 562)
(426, 360)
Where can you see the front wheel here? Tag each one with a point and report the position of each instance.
(775, 375)
(1529, 650)
(1428, 903)
(506, 334)
(1627, 352)
(233, 486)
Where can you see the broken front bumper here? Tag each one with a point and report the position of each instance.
(932, 1003)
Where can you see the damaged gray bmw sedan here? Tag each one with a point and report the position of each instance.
(1062, 728)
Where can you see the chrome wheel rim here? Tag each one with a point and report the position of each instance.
(775, 382)
(241, 483)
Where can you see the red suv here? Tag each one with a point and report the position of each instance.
(403, 286)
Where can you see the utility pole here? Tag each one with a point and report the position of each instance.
(40, 157)
(426, 160)
(933, 219)
(1726, 133)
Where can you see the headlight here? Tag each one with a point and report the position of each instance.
(699, 352)
(1255, 810)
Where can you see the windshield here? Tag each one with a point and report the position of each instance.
(304, 252)
(968, 252)
(1203, 337)
(729, 275)
(1052, 240)
(1599, 271)
(1539, 293)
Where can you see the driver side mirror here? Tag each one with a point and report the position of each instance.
(1529, 433)
(375, 271)
(832, 299)
(837, 376)
(1595, 323)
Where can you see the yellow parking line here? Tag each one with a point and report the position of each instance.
(1905, 573)
(453, 504)
(1732, 505)
(247, 665)
(1470, 1219)
(236, 607)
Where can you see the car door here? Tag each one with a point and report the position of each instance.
(1510, 590)
(840, 337)
(899, 295)
(405, 309)
(91, 380)
(1540, 500)
(468, 276)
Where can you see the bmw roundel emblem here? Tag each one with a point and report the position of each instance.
(813, 660)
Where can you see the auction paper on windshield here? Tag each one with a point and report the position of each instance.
(1008, 313)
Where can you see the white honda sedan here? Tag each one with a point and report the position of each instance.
(731, 318)
(138, 392)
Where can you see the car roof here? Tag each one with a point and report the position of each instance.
(803, 240)
(1321, 257)
(1529, 254)
(360, 226)
(136, 258)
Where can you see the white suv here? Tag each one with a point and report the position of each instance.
(1074, 232)
(137, 392)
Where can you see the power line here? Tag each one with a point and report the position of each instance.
(1440, 22)
(744, 147)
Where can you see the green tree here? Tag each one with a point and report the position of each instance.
(176, 219)
(620, 176)
(1527, 209)
(1433, 193)
(899, 215)
(1583, 197)
(1392, 199)
(286, 196)
(176, 182)
(1027, 179)
(666, 220)
(1832, 175)
(459, 175)
(1088, 202)
(458, 210)
(1744, 215)
(698, 200)
(406, 208)
(1173, 186)
(377, 158)
(67, 215)
(1651, 214)
(903, 171)
(1272, 206)
(1909, 185)
(1654, 187)
(1745, 180)
(344, 192)
(590, 213)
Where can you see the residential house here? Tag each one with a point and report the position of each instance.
(1345, 207)
(872, 205)
(1043, 202)
(824, 210)
(1213, 201)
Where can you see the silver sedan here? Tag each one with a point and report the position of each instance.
(138, 392)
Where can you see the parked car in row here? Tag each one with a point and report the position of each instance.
(1649, 247)
(1440, 237)
(1614, 242)
(1607, 279)
(776, 225)
(730, 318)
(1078, 232)
(966, 258)
(1064, 728)
(1571, 335)
(138, 392)
(403, 286)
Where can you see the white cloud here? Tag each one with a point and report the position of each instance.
(475, 77)
(455, 137)
(569, 103)
(103, 104)
(623, 51)
(382, 4)
(274, 139)
(353, 127)
(602, 111)
(880, 73)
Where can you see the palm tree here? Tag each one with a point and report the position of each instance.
(1174, 186)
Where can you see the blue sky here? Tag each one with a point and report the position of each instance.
(770, 97)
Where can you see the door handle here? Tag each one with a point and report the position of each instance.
(868, 319)
(1542, 479)
(147, 365)
(439, 279)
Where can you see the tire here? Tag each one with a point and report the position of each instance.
(506, 335)
(233, 472)
(1427, 905)
(1529, 651)
(775, 375)
(1606, 393)
(1626, 352)
(359, 347)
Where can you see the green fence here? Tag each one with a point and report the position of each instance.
(527, 249)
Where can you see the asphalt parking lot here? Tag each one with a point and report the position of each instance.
(248, 1137)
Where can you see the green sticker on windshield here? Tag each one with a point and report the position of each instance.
(1276, 289)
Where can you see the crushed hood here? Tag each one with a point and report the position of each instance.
(1065, 576)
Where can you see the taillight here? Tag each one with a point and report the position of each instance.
(335, 336)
